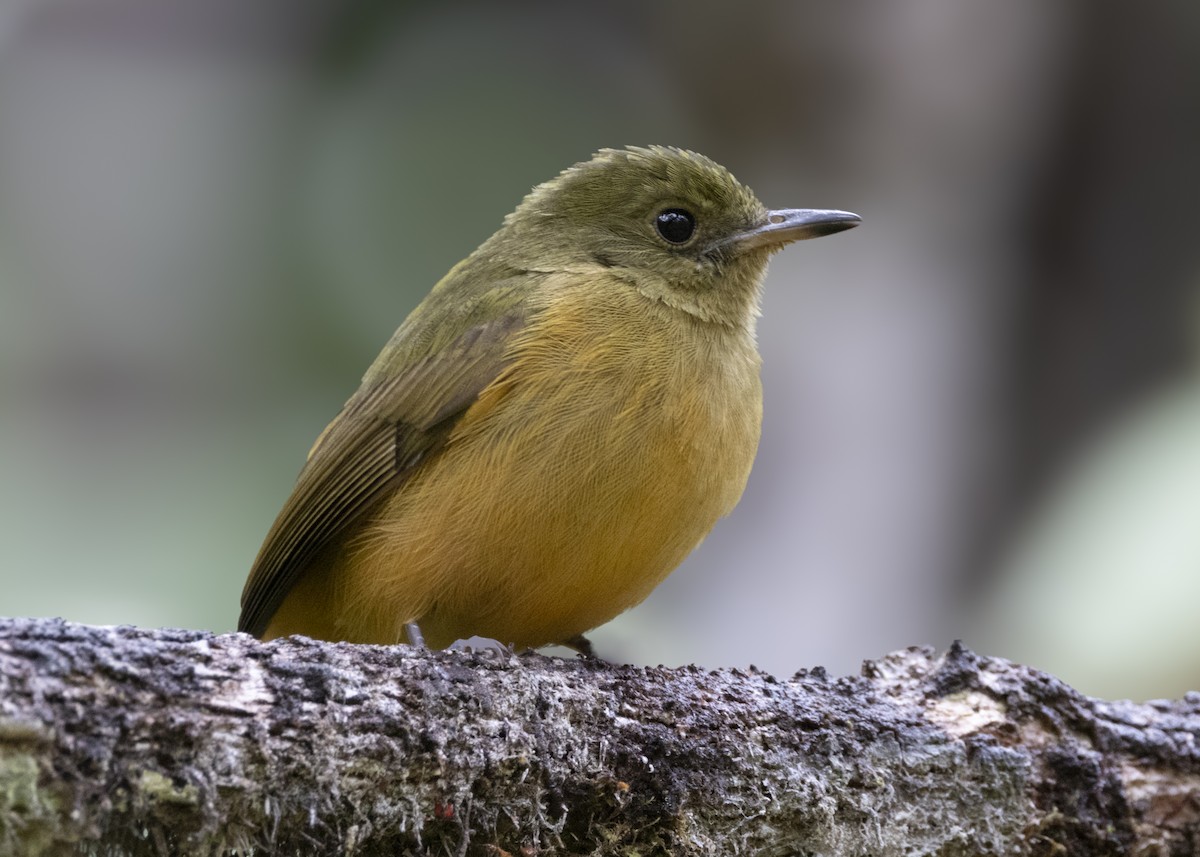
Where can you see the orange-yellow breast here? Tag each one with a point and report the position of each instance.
(619, 434)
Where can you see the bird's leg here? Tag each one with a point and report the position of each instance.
(580, 644)
(415, 638)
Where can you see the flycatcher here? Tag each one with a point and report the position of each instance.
(553, 429)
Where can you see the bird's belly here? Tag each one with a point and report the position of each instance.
(530, 529)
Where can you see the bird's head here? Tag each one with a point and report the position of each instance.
(671, 223)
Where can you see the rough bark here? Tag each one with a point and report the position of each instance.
(131, 741)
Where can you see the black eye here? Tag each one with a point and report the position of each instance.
(675, 225)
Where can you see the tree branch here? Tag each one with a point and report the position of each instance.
(130, 741)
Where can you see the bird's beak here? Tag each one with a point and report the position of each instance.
(785, 225)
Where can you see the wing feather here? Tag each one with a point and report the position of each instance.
(396, 420)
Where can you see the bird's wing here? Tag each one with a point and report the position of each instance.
(399, 417)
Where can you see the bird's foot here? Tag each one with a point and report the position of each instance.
(482, 645)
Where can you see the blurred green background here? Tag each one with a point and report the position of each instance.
(982, 406)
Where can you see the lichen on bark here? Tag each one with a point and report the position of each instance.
(148, 742)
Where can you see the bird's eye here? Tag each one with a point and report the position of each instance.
(675, 225)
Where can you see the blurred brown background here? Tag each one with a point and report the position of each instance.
(982, 406)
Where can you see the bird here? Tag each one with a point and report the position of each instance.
(552, 430)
